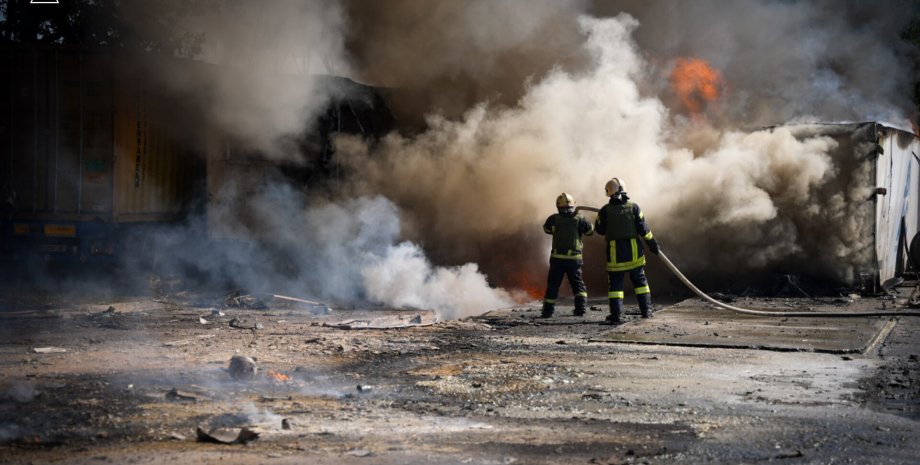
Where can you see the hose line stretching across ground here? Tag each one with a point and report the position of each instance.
(746, 311)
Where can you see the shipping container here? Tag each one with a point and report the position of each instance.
(870, 204)
(90, 153)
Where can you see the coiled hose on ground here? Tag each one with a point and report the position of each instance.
(746, 311)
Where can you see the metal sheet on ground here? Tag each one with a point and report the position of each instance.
(695, 323)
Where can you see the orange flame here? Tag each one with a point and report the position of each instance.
(696, 83)
(279, 377)
(529, 283)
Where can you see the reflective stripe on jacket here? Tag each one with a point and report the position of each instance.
(567, 231)
(623, 223)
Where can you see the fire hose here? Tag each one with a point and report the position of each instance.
(747, 311)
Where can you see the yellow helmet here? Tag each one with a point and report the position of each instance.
(613, 186)
(565, 200)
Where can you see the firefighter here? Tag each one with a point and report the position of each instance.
(567, 228)
(622, 224)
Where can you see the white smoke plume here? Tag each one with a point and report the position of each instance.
(724, 200)
(349, 250)
(519, 101)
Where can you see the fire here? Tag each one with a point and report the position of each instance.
(530, 284)
(696, 83)
(279, 377)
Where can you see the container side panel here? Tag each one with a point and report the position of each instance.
(24, 150)
(154, 160)
(6, 129)
(96, 163)
(70, 142)
(44, 85)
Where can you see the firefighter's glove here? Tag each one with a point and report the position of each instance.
(654, 247)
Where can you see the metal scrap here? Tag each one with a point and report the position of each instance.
(49, 350)
(180, 396)
(316, 308)
(222, 436)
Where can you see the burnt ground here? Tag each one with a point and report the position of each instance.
(127, 378)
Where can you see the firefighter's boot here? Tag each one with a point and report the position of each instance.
(581, 305)
(616, 312)
(645, 304)
(548, 310)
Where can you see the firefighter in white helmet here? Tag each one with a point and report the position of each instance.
(567, 228)
(622, 224)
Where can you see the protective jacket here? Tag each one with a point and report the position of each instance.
(623, 223)
(567, 230)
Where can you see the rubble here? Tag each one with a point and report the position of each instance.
(176, 395)
(240, 323)
(315, 308)
(242, 368)
(225, 436)
(49, 350)
(471, 391)
(238, 299)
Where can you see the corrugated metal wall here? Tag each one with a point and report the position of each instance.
(154, 172)
(898, 172)
(81, 141)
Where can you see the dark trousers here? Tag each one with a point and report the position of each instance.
(558, 269)
(615, 294)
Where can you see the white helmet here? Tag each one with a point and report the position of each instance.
(565, 200)
(613, 186)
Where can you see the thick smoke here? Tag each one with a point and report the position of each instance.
(343, 251)
(519, 101)
(261, 89)
(261, 86)
(824, 60)
(722, 197)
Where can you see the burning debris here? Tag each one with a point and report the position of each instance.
(277, 376)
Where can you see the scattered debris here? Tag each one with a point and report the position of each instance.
(285, 423)
(217, 312)
(49, 350)
(105, 313)
(203, 321)
(162, 286)
(790, 455)
(359, 453)
(723, 297)
(316, 308)
(388, 322)
(363, 388)
(185, 342)
(242, 324)
(223, 436)
(238, 299)
(176, 395)
(243, 368)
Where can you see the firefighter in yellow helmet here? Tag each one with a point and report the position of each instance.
(622, 224)
(567, 228)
